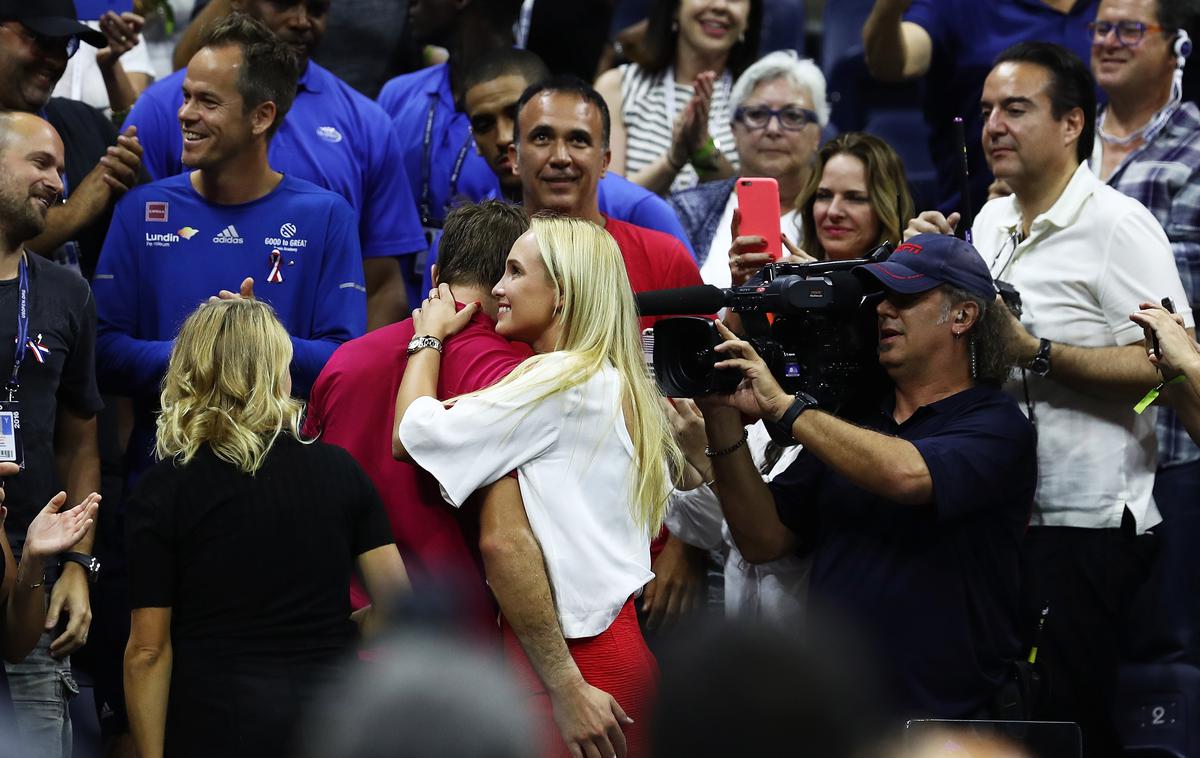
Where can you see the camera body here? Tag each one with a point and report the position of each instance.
(814, 324)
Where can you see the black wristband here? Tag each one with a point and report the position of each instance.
(781, 430)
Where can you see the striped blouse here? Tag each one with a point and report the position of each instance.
(648, 126)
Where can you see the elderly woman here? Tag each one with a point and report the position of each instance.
(242, 541)
(671, 117)
(779, 109)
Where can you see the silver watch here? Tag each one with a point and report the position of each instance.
(422, 342)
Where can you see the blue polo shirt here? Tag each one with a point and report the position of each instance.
(932, 589)
(424, 98)
(967, 36)
(168, 250)
(332, 136)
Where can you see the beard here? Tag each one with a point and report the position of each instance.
(21, 219)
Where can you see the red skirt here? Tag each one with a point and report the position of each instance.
(616, 661)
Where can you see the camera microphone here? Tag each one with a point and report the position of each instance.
(700, 299)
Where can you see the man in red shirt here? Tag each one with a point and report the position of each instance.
(560, 153)
(447, 550)
(353, 403)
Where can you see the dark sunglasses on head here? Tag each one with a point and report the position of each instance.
(791, 117)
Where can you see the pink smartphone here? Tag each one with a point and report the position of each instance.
(758, 201)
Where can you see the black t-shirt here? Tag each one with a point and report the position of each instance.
(256, 565)
(933, 588)
(62, 319)
(86, 135)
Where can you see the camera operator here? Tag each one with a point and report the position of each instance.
(912, 506)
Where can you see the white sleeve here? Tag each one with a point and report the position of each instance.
(137, 60)
(1140, 267)
(479, 439)
(695, 517)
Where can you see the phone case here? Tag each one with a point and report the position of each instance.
(758, 201)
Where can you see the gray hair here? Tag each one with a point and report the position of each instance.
(784, 64)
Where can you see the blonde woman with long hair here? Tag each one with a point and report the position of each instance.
(582, 426)
(242, 540)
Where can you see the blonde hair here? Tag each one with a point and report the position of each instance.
(599, 324)
(225, 385)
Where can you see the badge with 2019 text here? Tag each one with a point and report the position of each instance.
(10, 433)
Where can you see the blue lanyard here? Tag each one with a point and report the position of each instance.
(426, 150)
(22, 326)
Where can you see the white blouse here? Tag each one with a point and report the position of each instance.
(574, 462)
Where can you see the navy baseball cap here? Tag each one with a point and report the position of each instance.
(928, 260)
(53, 18)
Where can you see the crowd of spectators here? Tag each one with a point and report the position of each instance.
(336, 303)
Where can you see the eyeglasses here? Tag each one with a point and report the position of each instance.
(1129, 33)
(791, 117)
(49, 44)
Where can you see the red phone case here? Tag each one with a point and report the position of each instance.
(758, 201)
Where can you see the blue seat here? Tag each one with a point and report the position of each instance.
(1158, 709)
(783, 26)
(841, 30)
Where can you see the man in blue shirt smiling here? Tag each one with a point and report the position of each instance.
(914, 504)
(333, 136)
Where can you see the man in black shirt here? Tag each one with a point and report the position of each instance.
(913, 508)
(36, 40)
(48, 359)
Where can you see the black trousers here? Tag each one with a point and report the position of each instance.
(1088, 578)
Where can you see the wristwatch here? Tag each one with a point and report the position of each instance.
(89, 562)
(781, 430)
(1040, 364)
(422, 342)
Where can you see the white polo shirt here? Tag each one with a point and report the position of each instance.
(1088, 262)
(574, 461)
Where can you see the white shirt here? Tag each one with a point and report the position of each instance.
(82, 79)
(715, 269)
(775, 590)
(575, 463)
(1088, 262)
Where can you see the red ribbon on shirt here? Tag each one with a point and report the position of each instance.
(276, 274)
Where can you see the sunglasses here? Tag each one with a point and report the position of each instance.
(48, 44)
(791, 117)
(1129, 33)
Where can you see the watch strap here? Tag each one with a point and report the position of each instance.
(89, 562)
(1040, 364)
(781, 430)
(423, 341)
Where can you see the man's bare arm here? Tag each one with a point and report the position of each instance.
(516, 571)
(895, 49)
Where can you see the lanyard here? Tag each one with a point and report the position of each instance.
(22, 326)
(426, 151)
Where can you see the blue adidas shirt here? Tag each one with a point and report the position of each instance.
(168, 250)
(333, 137)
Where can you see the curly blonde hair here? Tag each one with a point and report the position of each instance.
(227, 385)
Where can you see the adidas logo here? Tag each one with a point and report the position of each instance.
(228, 236)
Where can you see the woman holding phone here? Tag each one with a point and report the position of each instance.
(582, 426)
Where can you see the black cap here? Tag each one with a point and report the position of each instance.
(53, 18)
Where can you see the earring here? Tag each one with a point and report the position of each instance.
(974, 358)
(742, 36)
(674, 27)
